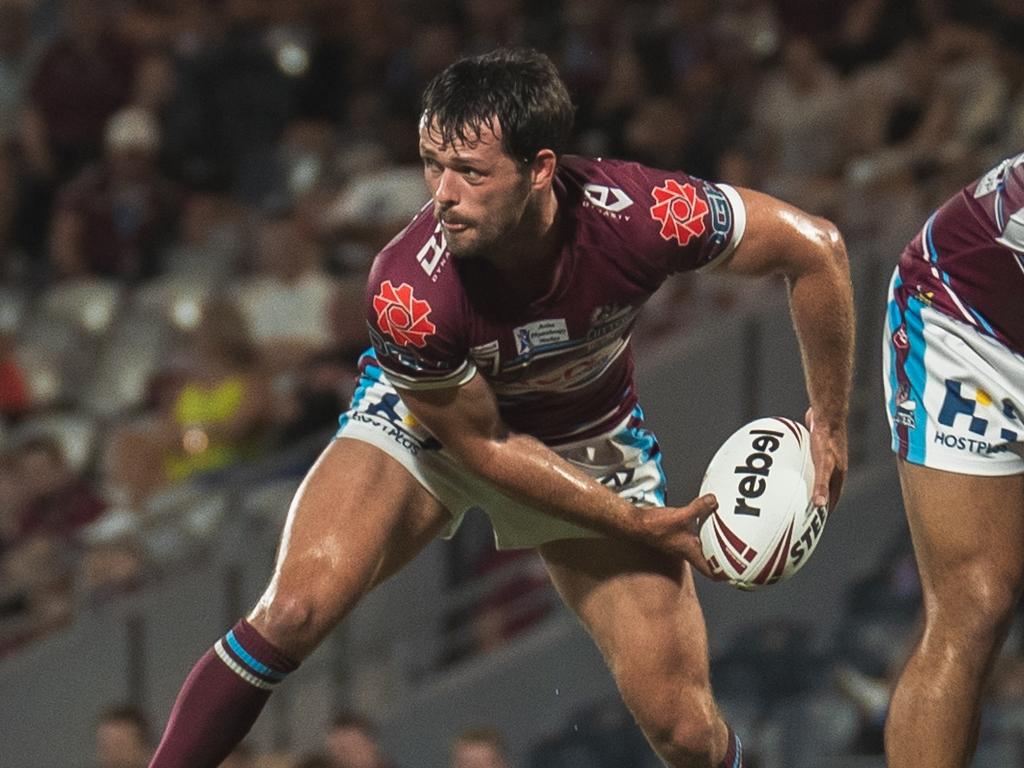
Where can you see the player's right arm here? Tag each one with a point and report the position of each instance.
(467, 422)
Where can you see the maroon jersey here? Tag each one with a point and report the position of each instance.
(968, 260)
(560, 367)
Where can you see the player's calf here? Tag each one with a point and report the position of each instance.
(221, 699)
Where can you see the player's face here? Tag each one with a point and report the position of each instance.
(480, 193)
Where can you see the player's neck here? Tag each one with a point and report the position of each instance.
(528, 260)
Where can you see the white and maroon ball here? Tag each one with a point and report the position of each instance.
(766, 526)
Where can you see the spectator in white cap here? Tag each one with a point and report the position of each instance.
(116, 217)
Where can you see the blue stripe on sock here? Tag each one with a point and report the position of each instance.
(255, 665)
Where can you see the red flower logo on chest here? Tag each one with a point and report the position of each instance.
(679, 210)
(402, 316)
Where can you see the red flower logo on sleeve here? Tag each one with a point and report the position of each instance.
(402, 316)
(679, 210)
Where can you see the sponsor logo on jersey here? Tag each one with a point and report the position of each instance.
(434, 254)
(540, 334)
(402, 316)
(610, 318)
(577, 371)
(611, 199)
(682, 214)
(900, 339)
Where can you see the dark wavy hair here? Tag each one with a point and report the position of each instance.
(517, 87)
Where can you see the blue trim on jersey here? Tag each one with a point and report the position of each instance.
(917, 377)
(933, 253)
(895, 318)
(254, 665)
(929, 243)
(984, 323)
(738, 762)
(644, 439)
(369, 376)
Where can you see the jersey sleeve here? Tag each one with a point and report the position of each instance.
(414, 322)
(684, 223)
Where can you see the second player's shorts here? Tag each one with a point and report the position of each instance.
(954, 395)
(626, 460)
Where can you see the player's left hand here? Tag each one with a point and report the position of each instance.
(675, 530)
(828, 451)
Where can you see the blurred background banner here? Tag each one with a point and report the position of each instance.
(191, 193)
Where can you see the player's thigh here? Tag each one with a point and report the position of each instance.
(968, 534)
(357, 517)
(641, 608)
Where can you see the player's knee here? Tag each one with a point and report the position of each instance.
(686, 737)
(293, 623)
(978, 610)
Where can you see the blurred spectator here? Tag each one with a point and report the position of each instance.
(16, 60)
(8, 207)
(45, 504)
(659, 133)
(213, 409)
(285, 301)
(15, 393)
(83, 77)
(211, 240)
(116, 217)
(17, 57)
(57, 501)
(799, 114)
(479, 748)
(871, 30)
(36, 585)
(123, 738)
(352, 742)
(307, 326)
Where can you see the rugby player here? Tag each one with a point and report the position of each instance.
(954, 386)
(501, 377)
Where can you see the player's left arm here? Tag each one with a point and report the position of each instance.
(809, 251)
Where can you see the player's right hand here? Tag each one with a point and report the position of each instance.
(675, 530)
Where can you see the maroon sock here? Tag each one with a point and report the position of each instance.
(221, 699)
(733, 752)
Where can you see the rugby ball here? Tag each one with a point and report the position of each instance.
(766, 526)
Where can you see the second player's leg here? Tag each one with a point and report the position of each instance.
(642, 610)
(968, 534)
(357, 518)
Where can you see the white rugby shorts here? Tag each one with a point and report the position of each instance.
(626, 460)
(954, 395)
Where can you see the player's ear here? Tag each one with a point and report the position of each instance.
(542, 168)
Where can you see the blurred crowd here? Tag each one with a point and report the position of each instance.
(123, 739)
(191, 193)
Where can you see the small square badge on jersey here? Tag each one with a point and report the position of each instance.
(539, 334)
